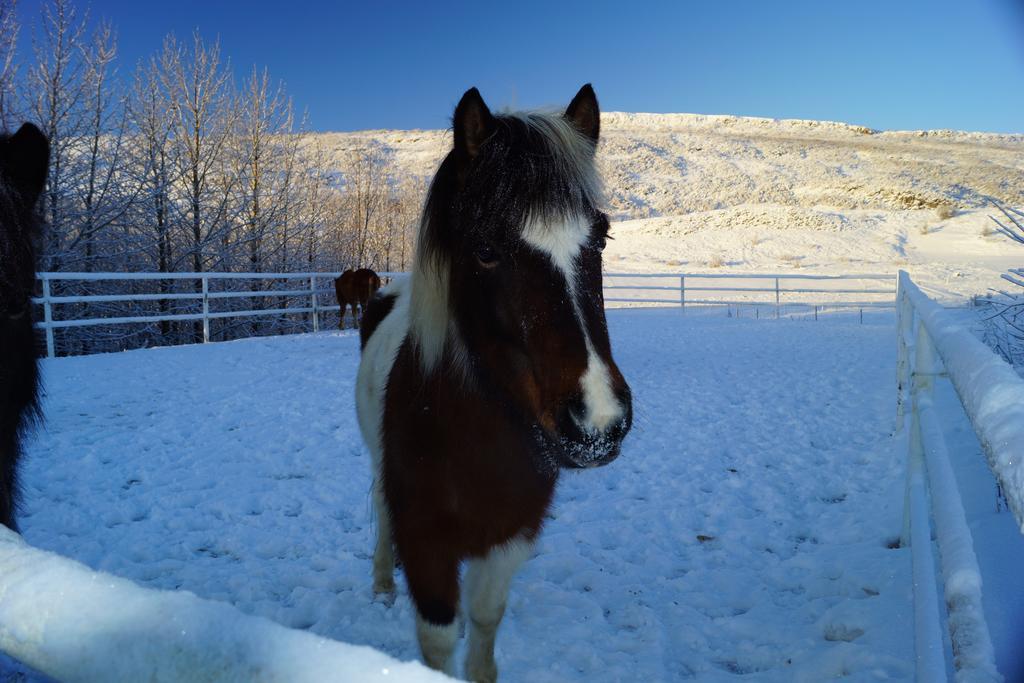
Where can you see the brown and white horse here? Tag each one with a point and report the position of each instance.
(491, 368)
(355, 288)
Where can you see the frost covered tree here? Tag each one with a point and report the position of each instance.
(176, 168)
(148, 163)
(366, 187)
(400, 223)
(1007, 337)
(9, 29)
(264, 164)
(53, 94)
(104, 190)
(204, 113)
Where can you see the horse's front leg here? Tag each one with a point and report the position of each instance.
(384, 552)
(487, 584)
(433, 578)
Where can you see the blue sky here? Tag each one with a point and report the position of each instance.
(886, 64)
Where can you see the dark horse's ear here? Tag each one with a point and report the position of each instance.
(584, 113)
(472, 125)
(25, 157)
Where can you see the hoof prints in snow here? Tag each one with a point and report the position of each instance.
(739, 535)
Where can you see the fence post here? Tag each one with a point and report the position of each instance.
(48, 318)
(682, 291)
(206, 310)
(316, 309)
(920, 378)
(924, 363)
(904, 326)
(916, 517)
(776, 298)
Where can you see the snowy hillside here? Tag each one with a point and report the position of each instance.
(670, 164)
(764, 195)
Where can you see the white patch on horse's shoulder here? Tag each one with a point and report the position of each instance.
(561, 241)
(375, 365)
(430, 310)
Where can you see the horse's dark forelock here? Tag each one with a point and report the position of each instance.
(533, 167)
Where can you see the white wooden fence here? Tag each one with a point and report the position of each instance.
(932, 343)
(82, 626)
(776, 291)
(310, 287)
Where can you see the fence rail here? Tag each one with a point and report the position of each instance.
(75, 624)
(775, 290)
(686, 289)
(204, 296)
(933, 344)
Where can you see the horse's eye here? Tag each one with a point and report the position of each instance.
(487, 256)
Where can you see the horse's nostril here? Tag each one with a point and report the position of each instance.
(571, 418)
(618, 431)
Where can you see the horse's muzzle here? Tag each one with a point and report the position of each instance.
(578, 448)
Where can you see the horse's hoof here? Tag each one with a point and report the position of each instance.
(384, 586)
(482, 672)
(386, 599)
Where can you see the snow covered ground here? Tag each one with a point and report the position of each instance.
(744, 532)
(953, 258)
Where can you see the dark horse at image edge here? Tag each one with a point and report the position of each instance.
(355, 288)
(490, 370)
(24, 158)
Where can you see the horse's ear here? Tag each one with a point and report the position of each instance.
(26, 158)
(584, 113)
(472, 125)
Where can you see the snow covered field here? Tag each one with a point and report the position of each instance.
(953, 258)
(743, 531)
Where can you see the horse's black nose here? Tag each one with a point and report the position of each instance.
(585, 447)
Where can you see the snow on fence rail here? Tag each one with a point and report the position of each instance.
(75, 624)
(932, 343)
(726, 289)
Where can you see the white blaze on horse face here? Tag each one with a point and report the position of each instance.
(562, 243)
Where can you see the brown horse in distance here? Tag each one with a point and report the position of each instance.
(355, 288)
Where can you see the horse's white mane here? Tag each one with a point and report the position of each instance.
(573, 151)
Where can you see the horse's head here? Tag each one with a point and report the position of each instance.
(507, 286)
(24, 159)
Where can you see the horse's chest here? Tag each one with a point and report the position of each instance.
(478, 481)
